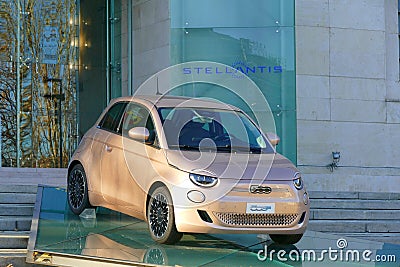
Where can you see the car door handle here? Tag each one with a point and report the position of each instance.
(108, 148)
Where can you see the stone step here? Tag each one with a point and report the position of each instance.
(10, 188)
(33, 176)
(355, 204)
(355, 226)
(14, 258)
(351, 214)
(16, 210)
(14, 239)
(354, 195)
(17, 198)
(15, 172)
(15, 223)
(393, 238)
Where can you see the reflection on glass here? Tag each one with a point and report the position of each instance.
(115, 236)
(38, 64)
(257, 40)
(231, 13)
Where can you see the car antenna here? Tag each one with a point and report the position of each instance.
(158, 92)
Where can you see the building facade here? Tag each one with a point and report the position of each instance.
(329, 70)
(348, 93)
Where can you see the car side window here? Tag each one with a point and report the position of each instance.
(112, 118)
(138, 116)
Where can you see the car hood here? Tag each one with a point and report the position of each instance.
(241, 166)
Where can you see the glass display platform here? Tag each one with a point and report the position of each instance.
(60, 238)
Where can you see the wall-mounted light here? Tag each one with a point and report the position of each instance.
(335, 161)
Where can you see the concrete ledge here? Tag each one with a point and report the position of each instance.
(332, 195)
(15, 258)
(24, 189)
(33, 176)
(350, 214)
(15, 223)
(393, 238)
(16, 209)
(17, 198)
(353, 226)
(344, 180)
(384, 226)
(371, 195)
(354, 195)
(355, 204)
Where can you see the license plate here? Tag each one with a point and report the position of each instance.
(260, 208)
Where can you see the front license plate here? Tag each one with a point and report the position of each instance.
(260, 208)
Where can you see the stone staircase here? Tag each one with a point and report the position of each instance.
(18, 189)
(16, 209)
(372, 216)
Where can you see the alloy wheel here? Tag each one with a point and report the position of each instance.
(76, 186)
(159, 212)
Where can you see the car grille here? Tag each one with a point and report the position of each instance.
(240, 219)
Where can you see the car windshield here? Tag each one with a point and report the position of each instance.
(212, 129)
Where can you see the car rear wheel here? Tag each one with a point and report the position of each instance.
(286, 239)
(160, 217)
(77, 190)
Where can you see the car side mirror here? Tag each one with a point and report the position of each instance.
(141, 134)
(273, 138)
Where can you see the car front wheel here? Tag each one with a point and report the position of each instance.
(286, 239)
(160, 217)
(77, 190)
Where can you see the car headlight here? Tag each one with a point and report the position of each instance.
(298, 182)
(203, 180)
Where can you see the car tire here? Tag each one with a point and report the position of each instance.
(77, 190)
(286, 239)
(160, 217)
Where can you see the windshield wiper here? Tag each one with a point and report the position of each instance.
(224, 148)
(185, 147)
(240, 148)
(255, 149)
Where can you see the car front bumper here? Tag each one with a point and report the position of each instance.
(230, 214)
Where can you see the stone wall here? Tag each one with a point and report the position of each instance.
(348, 94)
(151, 38)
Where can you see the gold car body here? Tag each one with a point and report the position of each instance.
(121, 172)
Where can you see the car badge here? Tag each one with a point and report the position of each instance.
(259, 189)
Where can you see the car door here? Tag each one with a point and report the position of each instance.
(108, 155)
(138, 171)
(97, 139)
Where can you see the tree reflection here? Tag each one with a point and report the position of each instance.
(48, 49)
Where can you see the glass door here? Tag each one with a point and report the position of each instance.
(114, 51)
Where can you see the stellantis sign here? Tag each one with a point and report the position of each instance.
(237, 70)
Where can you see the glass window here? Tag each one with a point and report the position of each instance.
(112, 118)
(204, 128)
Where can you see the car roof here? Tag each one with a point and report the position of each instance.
(174, 101)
